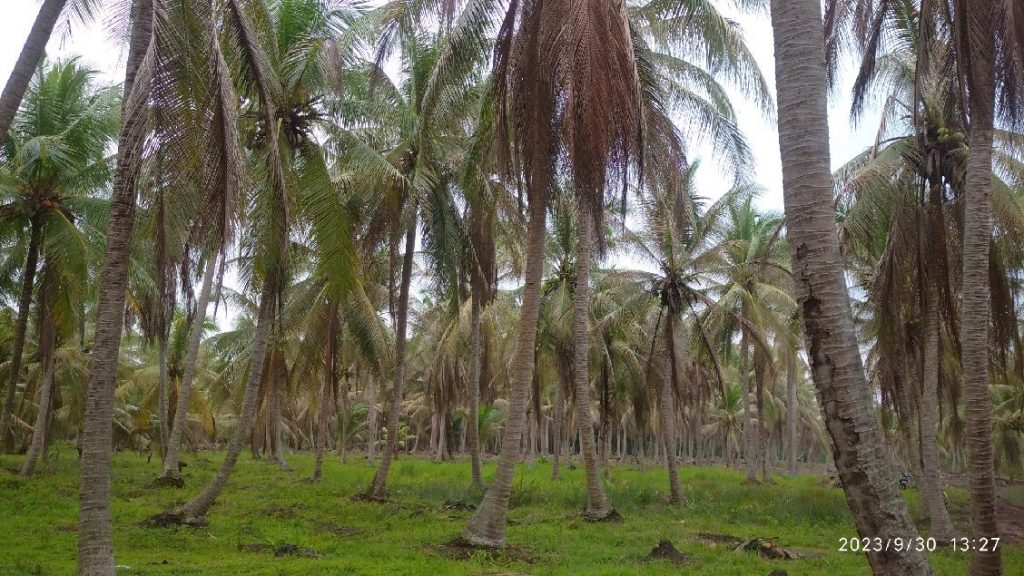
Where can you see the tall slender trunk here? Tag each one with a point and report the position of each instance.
(200, 505)
(48, 339)
(750, 452)
(31, 53)
(326, 409)
(280, 378)
(162, 392)
(667, 412)
(487, 525)
(976, 307)
(597, 502)
(195, 338)
(931, 485)
(95, 531)
(378, 489)
(28, 278)
(557, 422)
(836, 366)
(475, 360)
(792, 410)
(761, 431)
(371, 435)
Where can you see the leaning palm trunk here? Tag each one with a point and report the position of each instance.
(931, 485)
(667, 413)
(31, 53)
(976, 307)
(836, 366)
(95, 530)
(195, 337)
(200, 505)
(487, 525)
(38, 446)
(475, 354)
(378, 488)
(597, 503)
(28, 277)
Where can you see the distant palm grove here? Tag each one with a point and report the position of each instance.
(472, 229)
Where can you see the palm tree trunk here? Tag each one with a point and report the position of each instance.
(487, 525)
(28, 277)
(327, 408)
(931, 485)
(162, 392)
(976, 307)
(597, 502)
(195, 337)
(761, 431)
(31, 53)
(280, 391)
(200, 505)
(557, 421)
(475, 354)
(48, 338)
(371, 433)
(750, 452)
(95, 531)
(836, 366)
(667, 413)
(792, 410)
(378, 489)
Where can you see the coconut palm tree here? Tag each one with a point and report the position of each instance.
(284, 115)
(835, 361)
(52, 163)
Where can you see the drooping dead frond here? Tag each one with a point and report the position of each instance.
(570, 75)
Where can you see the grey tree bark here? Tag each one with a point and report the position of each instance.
(200, 505)
(597, 502)
(857, 443)
(792, 410)
(667, 413)
(487, 525)
(378, 488)
(195, 337)
(95, 531)
(931, 485)
(38, 446)
(976, 308)
(475, 353)
(28, 277)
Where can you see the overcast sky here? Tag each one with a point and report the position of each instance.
(95, 47)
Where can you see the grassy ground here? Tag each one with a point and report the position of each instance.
(264, 509)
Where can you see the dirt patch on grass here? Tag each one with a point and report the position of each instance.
(336, 529)
(66, 528)
(459, 548)
(282, 511)
(666, 551)
(461, 505)
(769, 549)
(715, 540)
(282, 550)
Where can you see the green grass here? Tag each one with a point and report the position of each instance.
(263, 505)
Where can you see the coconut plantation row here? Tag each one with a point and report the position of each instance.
(492, 287)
